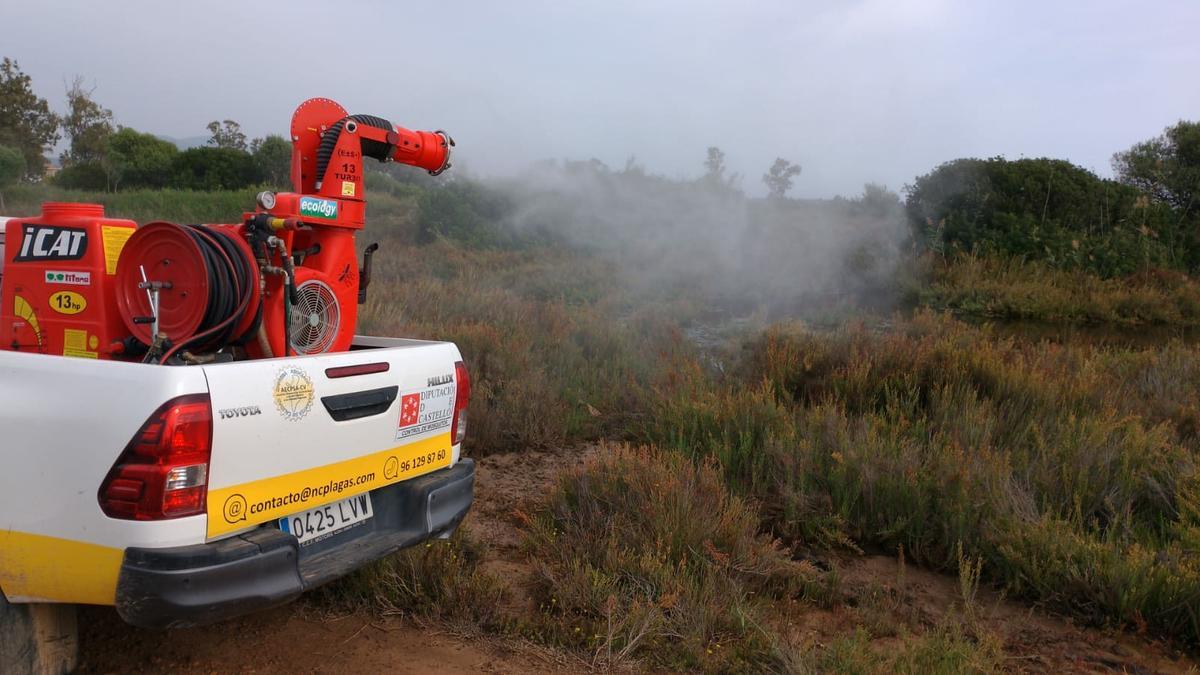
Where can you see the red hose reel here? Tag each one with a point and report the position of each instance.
(172, 255)
(206, 286)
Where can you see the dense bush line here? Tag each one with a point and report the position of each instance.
(1048, 210)
(137, 161)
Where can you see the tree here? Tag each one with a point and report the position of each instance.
(273, 155)
(87, 125)
(134, 159)
(714, 165)
(715, 177)
(12, 168)
(26, 122)
(779, 177)
(227, 134)
(209, 168)
(1167, 167)
(879, 202)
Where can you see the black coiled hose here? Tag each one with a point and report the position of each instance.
(230, 279)
(372, 149)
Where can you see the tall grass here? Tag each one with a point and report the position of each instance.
(998, 288)
(643, 555)
(1070, 471)
(185, 206)
(946, 649)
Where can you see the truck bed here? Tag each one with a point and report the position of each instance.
(288, 434)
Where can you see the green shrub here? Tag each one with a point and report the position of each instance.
(209, 168)
(85, 176)
(643, 555)
(1047, 210)
(138, 160)
(273, 157)
(438, 580)
(464, 211)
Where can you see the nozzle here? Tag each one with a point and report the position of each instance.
(447, 143)
(429, 150)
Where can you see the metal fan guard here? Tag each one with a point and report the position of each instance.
(315, 318)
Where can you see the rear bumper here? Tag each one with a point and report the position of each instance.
(193, 585)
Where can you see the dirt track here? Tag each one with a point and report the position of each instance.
(298, 639)
(285, 640)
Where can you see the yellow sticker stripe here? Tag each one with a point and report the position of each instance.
(241, 506)
(59, 570)
(114, 238)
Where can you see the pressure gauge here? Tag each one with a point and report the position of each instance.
(266, 199)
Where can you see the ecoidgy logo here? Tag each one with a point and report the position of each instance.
(318, 208)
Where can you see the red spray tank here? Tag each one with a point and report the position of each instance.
(57, 296)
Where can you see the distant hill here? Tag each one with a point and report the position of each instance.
(185, 143)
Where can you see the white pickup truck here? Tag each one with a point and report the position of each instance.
(185, 495)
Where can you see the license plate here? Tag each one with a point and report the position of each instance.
(323, 522)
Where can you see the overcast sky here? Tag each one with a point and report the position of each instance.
(855, 91)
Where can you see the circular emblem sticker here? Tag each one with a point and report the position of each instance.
(293, 393)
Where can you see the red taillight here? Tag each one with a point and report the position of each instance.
(462, 396)
(163, 472)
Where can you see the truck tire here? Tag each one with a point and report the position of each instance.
(40, 639)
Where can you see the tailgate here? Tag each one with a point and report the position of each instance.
(295, 433)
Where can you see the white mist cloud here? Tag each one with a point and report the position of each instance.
(708, 240)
